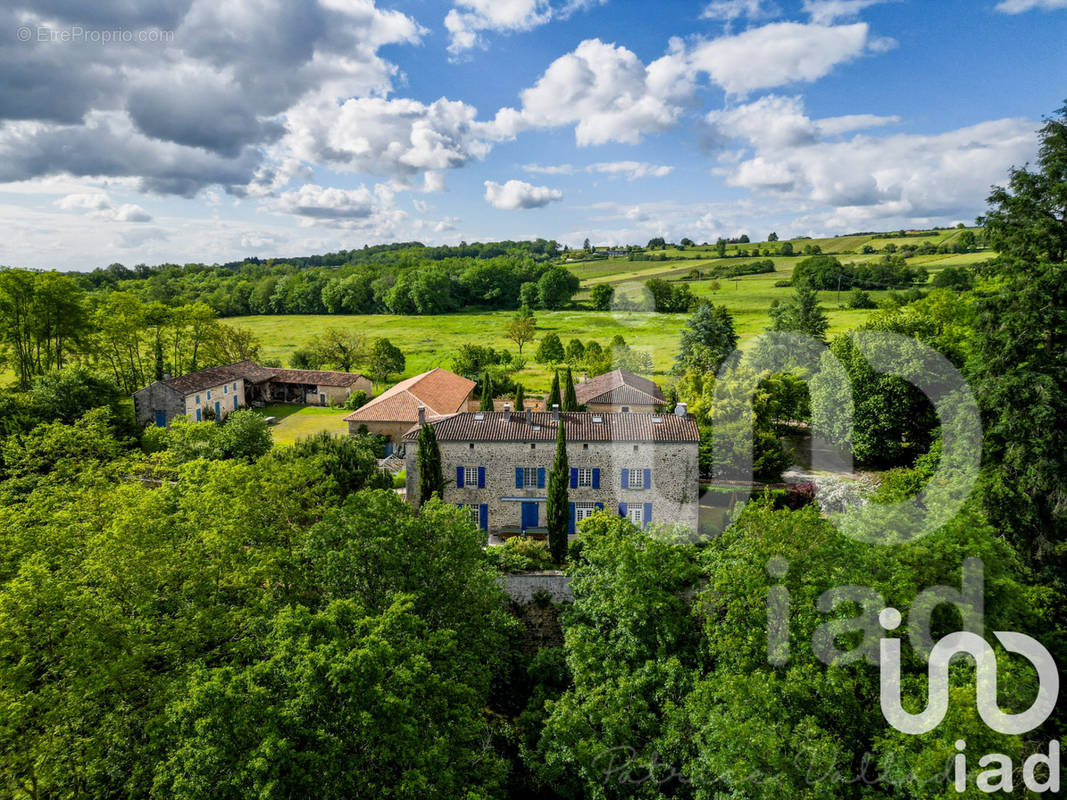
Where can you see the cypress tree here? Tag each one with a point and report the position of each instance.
(487, 393)
(431, 481)
(553, 396)
(570, 399)
(558, 505)
(520, 398)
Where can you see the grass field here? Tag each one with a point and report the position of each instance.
(296, 422)
(432, 341)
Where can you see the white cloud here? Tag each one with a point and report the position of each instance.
(866, 178)
(515, 195)
(468, 18)
(397, 138)
(1020, 6)
(778, 54)
(606, 92)
(100, 207)
(631, 170)
(360, 208)
(826, 12)
(730, 10)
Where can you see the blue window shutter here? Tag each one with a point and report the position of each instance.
(574, 477)
(518, 477)
(571, 528)
(648, 479)
(481, 478)
(459, 477)
(540, 477)
(235, 404)
(626, 479)
(198, 399)
(599, 506)
(622, 509)
(199, 415)
(648, 513)
(596, 478)
(483, 516)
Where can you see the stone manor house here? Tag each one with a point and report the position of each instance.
(643, 466)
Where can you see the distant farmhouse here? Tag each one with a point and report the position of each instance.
(392, 413)
(245, 383)
(642, 466)
(619, 391)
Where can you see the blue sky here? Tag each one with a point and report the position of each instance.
(191, 130)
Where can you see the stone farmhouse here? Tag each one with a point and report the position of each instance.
(642, 466)
(392, 413)
(226, 388)
(619, 391)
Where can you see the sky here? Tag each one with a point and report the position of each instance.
(176, 131)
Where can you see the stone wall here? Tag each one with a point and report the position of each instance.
(157, 397)
(537, 599)
(674, 494)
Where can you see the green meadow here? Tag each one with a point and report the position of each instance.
(432, 341)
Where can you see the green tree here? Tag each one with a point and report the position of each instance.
(570, 399)
(575, 353)
(772, 237)
(707, 340)
(487, 393)
(550, 350)
(1027, 219)
(520, 397)
(245, 435)
(555, 287)
(553, 398)
(521, 328)
(431, 481)
(1019, 366)
(350, 460)
(801, 314)
(339, 348)
(601, 296)
(385, 359)
(557, 508)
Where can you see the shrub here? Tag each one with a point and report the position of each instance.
(799, 495)
(520, 554)
(357, 399)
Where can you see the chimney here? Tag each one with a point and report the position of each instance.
(681, 409)
(555, 412)
(422, 415)
(166, 376)
(507, 408)
(529, 416)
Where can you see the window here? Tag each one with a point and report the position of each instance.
(208, 394)
(235, 386)
(585, 476)
(626, 409)
(583, 511)
(637, 479)
(470, 476)
(225, 389)
(475, 514)
(636, 514)
(198, 399)
(529, 477)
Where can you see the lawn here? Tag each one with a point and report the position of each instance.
(296, 422)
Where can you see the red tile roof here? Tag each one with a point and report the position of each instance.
(441, 391)
(580, 426)
(617, 387)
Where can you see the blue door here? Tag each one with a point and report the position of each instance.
(218, 411)
(529, 515)
(161, 419)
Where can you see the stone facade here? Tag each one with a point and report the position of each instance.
(661, 484)
(159, 399)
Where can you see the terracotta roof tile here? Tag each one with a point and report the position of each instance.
(580, 426)
(441, 391)
(212, 376)
(618, 386)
